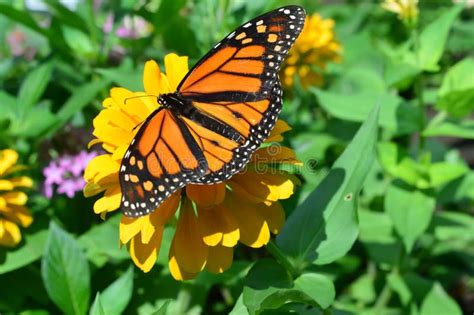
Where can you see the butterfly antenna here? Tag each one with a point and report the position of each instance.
(137, 126)
(129, 98)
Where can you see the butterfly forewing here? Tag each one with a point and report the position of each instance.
(244, 65)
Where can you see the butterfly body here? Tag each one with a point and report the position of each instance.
(223, 109)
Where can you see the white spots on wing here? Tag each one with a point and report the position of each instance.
(259, 23)
(247, 25)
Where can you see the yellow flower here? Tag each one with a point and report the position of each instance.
(407, 10)
(314, 48)
(12, 202)
(211, 219)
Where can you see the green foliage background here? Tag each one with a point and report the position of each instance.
(404, 245)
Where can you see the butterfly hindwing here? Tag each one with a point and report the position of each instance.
(162, 158)
(242, 154)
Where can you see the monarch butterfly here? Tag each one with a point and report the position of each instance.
(223, 109)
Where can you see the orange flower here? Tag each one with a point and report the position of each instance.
(211, 219)
(314, 48)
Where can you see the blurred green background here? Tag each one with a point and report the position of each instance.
(413, 244)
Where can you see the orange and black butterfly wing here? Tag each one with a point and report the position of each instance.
(237, 84)
(162, 158)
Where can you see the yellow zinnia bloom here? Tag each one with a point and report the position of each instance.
(407, 10)
(212, 219)
(314, 48)
(12, 202)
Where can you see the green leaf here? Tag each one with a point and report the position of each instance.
(396, 282)
(125, 75)
(36, 122)
(163, 308)
(21, 17)
(66, 16)
(318, 287)
(395, 115)
(437, 301)
(375, 227)
(463, 129)
(65, 272)
(100, 242)
(268, 286)
(423, 174)
(458, 190)
(453, 225)
(80, 98)
(9, 104)
(324, 227)
(443, 172)
(410, 210)
(29, 251)
(363, 289)
(123, 288)
(97, 308)
(456, 95)
(433, 39)
(78, 41)
(51, 34)
(239, 307)
(33, 86)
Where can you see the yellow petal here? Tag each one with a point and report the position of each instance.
(253, 228)
(218, 226)
(176, 271)
(15, 198)
(219, 259)
(274, 215)
(275, 154)
(166, 210)
(176, 69)
(91, 189)
(248, 186)
(281, 184)
(188, 247)
(280, 127)
(11, 234)
(152, 78)
(206, 195)
(110, 201)
(148, 230)
(22, 181)
(211, 226)
(18, 214)
(144, 255)
(102, 170)
(129, 227)
(8, 158)
(6, 185)
(266, 187)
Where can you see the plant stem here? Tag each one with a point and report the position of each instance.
(383, 298)
(276, 252)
